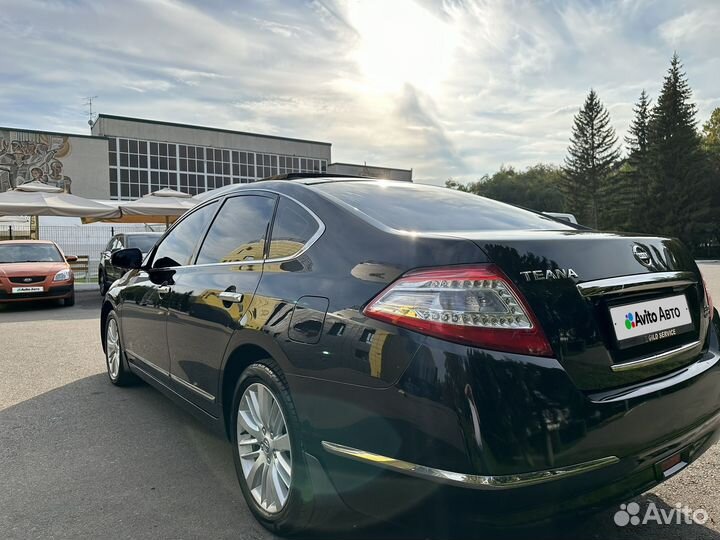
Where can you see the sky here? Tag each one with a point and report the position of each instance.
(451, 89)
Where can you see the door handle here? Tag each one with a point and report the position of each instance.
(164, 289)
(231, 297)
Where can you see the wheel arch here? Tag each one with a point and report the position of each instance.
(107, 307)
(240, 358)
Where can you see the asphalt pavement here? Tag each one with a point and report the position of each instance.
(80, 458)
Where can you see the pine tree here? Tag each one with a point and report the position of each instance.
(637, 140)
(680, 192)
(592, 158)
(629, 198)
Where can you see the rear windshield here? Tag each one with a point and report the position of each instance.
(17, 253)
(421, 208)
(143, 242)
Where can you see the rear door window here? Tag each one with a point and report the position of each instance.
(413, 207)
(239, 231)
(293, 228)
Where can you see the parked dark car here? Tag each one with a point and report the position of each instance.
(107, 273)
(386, 346)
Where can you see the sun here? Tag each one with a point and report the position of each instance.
(401, 42)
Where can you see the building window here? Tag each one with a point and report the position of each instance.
(140, 167)
(192, 169)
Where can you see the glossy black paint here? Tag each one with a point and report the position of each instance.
(380, 388)
(579, 330)
(126, 259)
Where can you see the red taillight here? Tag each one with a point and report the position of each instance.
(476, 306)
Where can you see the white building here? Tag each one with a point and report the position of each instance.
(126, 158)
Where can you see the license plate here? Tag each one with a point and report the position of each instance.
(18, 290)
(645, 322)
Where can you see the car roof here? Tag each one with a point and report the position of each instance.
(277, 182)
(140, 233)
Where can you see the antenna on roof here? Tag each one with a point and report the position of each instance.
(89, 112)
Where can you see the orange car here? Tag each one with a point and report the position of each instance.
(35, 270)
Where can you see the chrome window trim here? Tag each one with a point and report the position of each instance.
(637, 283)
(314, 238)
(657, 358)
(471, 481)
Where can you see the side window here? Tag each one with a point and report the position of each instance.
(111, 244)
(292, 229)
(119, 243)
(177, 247)
(239, 230)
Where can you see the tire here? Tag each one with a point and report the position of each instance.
(278, 516)
(102, 283)
(117, 368)
(70, 301)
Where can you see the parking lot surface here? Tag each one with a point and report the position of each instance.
(80, 458)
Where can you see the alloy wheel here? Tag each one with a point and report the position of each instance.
(264, 448)
(113, 349)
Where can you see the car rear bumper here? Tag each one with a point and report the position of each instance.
(505, 431)
(56, 292)
(388, 492)
(465, 480)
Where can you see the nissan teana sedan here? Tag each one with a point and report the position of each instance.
(385, 346)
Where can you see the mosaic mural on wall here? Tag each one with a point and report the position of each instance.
(33, 157)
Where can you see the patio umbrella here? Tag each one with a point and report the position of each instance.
(38, 199)
(157, 207)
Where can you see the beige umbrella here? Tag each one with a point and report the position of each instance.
(163, 205)
(38, 199)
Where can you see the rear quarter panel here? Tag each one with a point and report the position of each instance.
(348, 265)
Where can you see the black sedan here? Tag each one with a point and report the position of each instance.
(385, 346)
(107, 272)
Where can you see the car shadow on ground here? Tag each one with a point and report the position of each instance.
(92, 460)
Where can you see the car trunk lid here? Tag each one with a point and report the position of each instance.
(587, 288)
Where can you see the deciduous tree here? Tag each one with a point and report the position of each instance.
(536, 188)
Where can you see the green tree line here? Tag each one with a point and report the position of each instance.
(666, 179)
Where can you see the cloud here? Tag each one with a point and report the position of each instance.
(692, 27)
(450, 88)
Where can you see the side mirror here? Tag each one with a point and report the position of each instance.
(71, 258)
(127, 259)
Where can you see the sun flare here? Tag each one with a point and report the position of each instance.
(401, 42)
